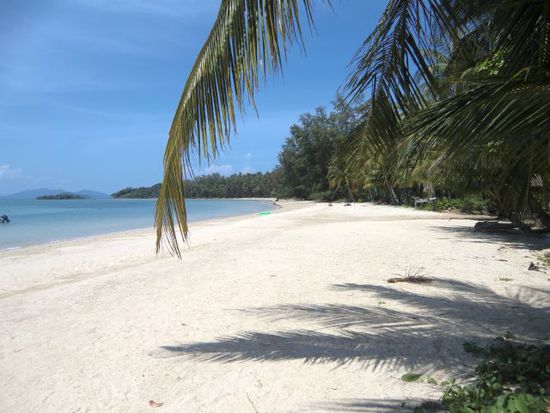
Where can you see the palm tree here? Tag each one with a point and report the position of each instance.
(468, 80)
(493, 91)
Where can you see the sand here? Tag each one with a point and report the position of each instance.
(289, 312)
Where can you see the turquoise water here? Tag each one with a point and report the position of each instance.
(35, 222)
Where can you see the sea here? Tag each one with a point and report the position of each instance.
(40, 221)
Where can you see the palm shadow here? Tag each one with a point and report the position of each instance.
(512, 239)
(428, 335)
(375, 405)
(473, 309)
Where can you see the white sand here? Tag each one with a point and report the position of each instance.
(289, 312)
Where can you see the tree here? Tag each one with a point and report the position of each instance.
(305, 157)
(477, 96)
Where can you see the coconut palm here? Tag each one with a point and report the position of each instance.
(494, 89)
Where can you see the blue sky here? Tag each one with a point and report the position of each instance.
(88, 87)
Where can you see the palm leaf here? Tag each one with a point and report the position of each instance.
(395, 68)
(248, 41)
(514, 111)
(398, 55)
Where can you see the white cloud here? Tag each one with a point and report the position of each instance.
(218, 169)
(7, 172)
(248, 170)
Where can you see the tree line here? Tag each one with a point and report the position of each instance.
(247, 185)
(61, 196)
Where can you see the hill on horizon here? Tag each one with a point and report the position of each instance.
(34, 193)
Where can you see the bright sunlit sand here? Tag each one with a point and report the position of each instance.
(366, 185)
(287, 312)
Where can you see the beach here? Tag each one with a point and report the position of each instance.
(285, 312)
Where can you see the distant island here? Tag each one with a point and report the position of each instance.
(249, 185)
(38, 192)
(63, 195)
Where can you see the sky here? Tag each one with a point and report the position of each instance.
(88, 88)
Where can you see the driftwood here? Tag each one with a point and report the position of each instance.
(412, 279)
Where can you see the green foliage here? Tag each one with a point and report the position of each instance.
(257, 185)
(63, 195)
(459, 104)
(467, 204)
(431, 380)
(325, 196)
(305, 157)
(141, 192)
(512, 378)
(410, 377)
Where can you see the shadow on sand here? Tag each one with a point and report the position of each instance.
(417, 328)
(373, 405)
(429, 335)
(512, 239)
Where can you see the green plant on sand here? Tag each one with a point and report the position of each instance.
(511, 378)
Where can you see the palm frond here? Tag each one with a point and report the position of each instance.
(522, 28)
(248, 41)
(399, 68)
(514, 111)
(397, 56)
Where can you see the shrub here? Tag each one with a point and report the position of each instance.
(467, 204)
(512, 378)
(321, 196)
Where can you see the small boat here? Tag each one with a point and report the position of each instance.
(4, 219)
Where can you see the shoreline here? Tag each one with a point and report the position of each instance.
(136, 230)
(285, 203)
(145, 238)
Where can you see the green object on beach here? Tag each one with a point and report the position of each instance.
(265, 213)
(410, 377)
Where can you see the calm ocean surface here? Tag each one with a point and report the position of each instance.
(35, 222)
